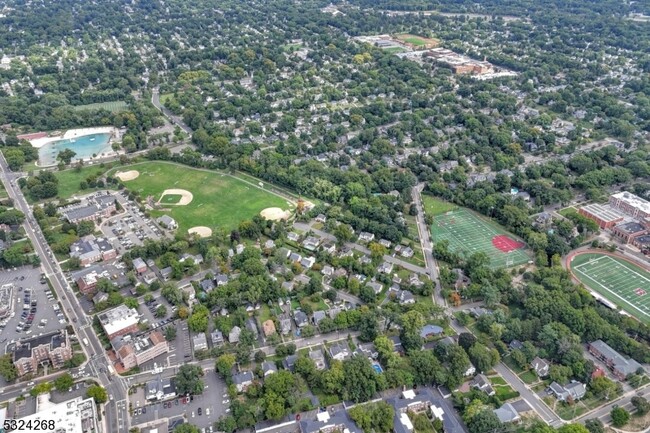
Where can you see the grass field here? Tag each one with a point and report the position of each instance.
(113, 106)
(434, 206)
(618, 280)
(165, 97)
(219, 199)
(171, 198)
(468, 233)
(418, 41)
(69, 180)
(394, 50)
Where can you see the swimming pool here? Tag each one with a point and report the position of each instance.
(84, 146)
(377, 368)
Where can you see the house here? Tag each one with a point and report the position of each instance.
(251, 325)
(327, 270)
(294, 257)
(366, 237)
(375, 286)
(429, 331)
(269, 244)
(482, 383)
(620, 366)
(540, 366)
(385, 243)
(407, 252)
(300, 318)
(368, 349)
(405, 297)
(507, 413)
(318, 316)
(397, 344)
(385, 268)
(293, 237)
(268, 368)
(422, 401)
(206, 285)
(166, 273)
(285, 326)
(311, 243)
(100, 297)
(339, 351)
(217, 338)
(329, 247)
(319, 359)
(139, 265)
(307, 262)
(327, 422)
(289, 363)
(516, 345)
(321, 218)
(233, 335)
(221, 280)
(168, 222)
(242, 380)
(268, 328)
(287, 285)
(199, 342)
(573, 391)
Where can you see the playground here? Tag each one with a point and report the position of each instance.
(616, 279)
(469, 233)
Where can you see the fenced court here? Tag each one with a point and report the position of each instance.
(616, 279)
(468, 233)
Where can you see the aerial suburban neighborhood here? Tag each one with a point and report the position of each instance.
(353, 216)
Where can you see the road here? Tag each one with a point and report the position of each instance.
(624, 401)
(427, 246)
(97, 361)
(178, 121)
(390, 259)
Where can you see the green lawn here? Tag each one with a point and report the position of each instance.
(69, 180)
(166, 97)
(394, 50)
(528, 377)
(434, 206)
(171, 198)
(505, 392)
(113, 107)
(219, 199)
(616, 279)
(415, 41)
(497, 380)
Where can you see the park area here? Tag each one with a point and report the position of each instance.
(616, 279)
(469, 233)
(113, 107)
(418, 41)
(200, 197)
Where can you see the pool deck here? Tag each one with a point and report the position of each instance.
(73, 133)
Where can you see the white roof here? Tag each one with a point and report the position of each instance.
(409, 394)
(67, 416)
(119, 318)
(406, 422)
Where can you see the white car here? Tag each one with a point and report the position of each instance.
(207, 411)
(192, 414)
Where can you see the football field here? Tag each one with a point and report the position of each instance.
(468, 233)
(616, 279)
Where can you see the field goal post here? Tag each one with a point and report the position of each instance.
(509, 260)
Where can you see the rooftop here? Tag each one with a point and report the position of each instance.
(604, 212)
(72, 416)
(118, 318)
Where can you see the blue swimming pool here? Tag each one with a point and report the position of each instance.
(84, 146)
(377, 368)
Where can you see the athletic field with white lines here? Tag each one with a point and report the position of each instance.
(468, 233)
(619, 281)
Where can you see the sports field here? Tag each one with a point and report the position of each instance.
(468, 233)
(616, 279)
(418, 41)
(217, 200)
(434, 206)
(113, 107)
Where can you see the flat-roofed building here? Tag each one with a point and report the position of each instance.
(627, 231)
(73, 416)
(605, 216)
(118, 321)
(135, 352)
(630, 204)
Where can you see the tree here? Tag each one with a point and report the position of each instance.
(641, 404)
(7, 369)
(187, 428)
(483, 358)
(603, 387)
(620, 417)
(260, 356)
(188, 380)
(224, 364)
(595, 426)
(41, 388)
(64, 382)
(373, 417)
(426, 368)
(66, 155)
(161, 311)
(198, 321)
(170, 333)
(466, 340)
(227, 424)
(98, 393)
(485, 421)
(360, 382)
(377, 251)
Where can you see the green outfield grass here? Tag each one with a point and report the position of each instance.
(617, 280)
(469, 233)
(113, 106)
(434, 206)
(219, 199)
(171, 198)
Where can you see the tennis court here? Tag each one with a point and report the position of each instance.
(468, 233)
(618, 280)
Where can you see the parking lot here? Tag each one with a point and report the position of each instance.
(129, 228)
(212, 404)
(35, 309)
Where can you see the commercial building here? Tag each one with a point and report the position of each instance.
(53, 348)
(135, 352)
(630, 204)
(73, 416)
(90, 250)
(118, 321)
(605, 215)
(160, 389)
(95, 208)
(620, 366)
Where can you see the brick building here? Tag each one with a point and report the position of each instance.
(53, 348)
